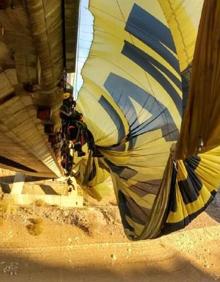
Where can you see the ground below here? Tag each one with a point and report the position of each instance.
(42, 243)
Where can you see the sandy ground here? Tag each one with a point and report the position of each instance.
(41, 243)
(89, 245)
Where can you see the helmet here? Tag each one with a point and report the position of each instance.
(66, 95)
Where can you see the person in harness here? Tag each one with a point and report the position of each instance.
(74, 129)
(67, 158)
(76, 132)
(66, 111)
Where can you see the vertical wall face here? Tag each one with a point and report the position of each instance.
(71, 11)
(32, 59)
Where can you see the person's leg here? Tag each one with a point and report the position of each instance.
(90, 140)
(91, 145)
(78, 149)
(69, 164)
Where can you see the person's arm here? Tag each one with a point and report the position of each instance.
(64, 111)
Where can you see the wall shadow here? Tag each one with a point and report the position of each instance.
(48, 189)
(10, 179)
(5, 188)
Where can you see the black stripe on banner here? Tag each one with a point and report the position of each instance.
(153, 33)
(171, 227)
(148, 64)
(191, 186)
(114, 116)
(124, 91)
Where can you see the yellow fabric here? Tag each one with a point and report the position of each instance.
(208, 173)
(183, 19)
(132, 103)
(201, 124)
(200, 129)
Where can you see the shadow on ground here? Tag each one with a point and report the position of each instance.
(213, 210)
(20, 269)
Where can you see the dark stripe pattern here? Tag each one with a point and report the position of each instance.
(122, 91)
(147, 63)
